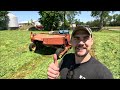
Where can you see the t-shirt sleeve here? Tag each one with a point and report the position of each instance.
(67, 60)
(104, 73)
(63, 61)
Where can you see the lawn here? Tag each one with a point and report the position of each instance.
(17, 62)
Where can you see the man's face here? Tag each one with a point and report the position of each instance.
(81, 42)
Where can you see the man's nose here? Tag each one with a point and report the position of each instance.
(81, 42)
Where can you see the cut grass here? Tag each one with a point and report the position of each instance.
(107, 50)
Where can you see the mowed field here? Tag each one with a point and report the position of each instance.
(17, 62)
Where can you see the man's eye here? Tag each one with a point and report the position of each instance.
(87, 37)
(76, 38)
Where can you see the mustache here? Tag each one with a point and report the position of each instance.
(81, 46)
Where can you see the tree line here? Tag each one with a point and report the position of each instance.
(51, 20)
(3, 19)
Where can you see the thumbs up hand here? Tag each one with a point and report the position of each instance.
(55, 60)
(53, 69)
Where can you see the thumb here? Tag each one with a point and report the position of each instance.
(55, 59)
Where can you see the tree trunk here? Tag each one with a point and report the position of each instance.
(64, 20)
(101, 20)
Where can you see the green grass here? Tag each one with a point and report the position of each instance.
(107, 50)
(17, 62)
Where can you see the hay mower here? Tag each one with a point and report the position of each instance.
(60, 40)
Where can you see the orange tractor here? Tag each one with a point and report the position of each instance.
(60, 40)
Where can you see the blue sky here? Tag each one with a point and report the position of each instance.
(28, 15)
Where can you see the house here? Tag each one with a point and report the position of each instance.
(72, 26)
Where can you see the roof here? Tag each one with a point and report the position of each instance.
(11, 15)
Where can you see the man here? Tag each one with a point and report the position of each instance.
(80, 64)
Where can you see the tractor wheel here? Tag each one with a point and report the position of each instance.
(32, 47)
(58, 51)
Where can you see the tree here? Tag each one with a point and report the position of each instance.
(108, 20)
(77, 22)
(70, 15)
(3, 19)
(115, 17)
(116, 20)
(50, 19)
(100, 15)
(94, 23)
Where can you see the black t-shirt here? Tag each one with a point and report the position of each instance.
(92, 69)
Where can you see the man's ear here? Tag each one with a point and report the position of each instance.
(92, 41)
(71, 41)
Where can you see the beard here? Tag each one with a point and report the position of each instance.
(81, 51)
(76, 53)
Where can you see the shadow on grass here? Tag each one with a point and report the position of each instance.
(46, 51)
(35, 29)
(3, 30)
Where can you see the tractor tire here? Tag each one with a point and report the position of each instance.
(58, 51)
(32, 47)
